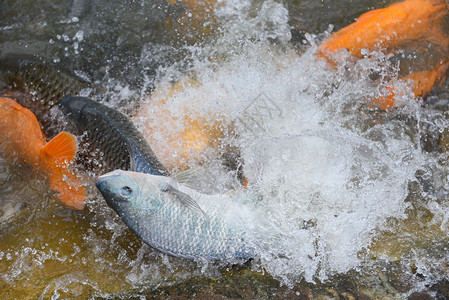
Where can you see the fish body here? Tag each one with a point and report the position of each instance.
(26, 72)
(417, 25)
(162, 213)
(21, 138)
(112, 133)
(422, 21)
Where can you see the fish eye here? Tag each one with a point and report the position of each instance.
(126, 192)
(163, 187)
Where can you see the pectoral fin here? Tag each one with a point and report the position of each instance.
(137, 164)
(184, 198)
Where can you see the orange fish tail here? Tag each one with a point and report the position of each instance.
(69, 187)
(57, 155)
(425, 81)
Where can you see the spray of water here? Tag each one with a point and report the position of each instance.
(328, 176)
(328, 169)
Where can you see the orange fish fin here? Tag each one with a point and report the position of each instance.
(386, 101)
(425, 81)
(69, 187)
(57, 154)
(245, 182)
(62, 148)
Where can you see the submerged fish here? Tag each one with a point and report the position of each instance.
(21, 138)
(402, 23)
(164, 215)
(49, 81)
(112, 133)
(183, 135)
(421, 25)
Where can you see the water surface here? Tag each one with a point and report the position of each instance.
(353, 201)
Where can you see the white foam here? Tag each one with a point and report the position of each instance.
(327, 180)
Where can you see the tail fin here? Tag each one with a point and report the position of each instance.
(412, 24)
(423, 83)
(57, 155)
(426, 80)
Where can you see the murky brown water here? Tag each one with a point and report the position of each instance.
(130, 47)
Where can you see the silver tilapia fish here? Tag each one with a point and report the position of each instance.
(164, 214)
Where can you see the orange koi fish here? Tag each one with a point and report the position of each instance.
(21, 138)
(187, 137)
(408, 24)
(411, 24)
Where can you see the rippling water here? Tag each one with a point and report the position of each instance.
(351, 201)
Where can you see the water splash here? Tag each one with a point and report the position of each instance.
(331, 179)
(329, 171)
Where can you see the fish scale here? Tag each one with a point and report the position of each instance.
(195, 235)
(165, 223)
(51, 84)
(114, 151)
(113, 135)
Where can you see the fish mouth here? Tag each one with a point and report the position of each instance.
(106, 188)
(101, 179)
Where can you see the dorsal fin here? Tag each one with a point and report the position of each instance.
(62, 148)
(189, 177)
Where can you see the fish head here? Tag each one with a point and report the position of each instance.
(135, 193)
(126, 191)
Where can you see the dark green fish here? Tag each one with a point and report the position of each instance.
(112, 134)
(26, 72)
